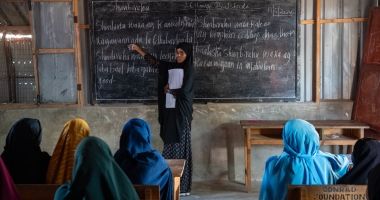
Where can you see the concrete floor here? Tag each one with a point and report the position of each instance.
(221, 190)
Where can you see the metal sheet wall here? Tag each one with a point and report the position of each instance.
(340, 48)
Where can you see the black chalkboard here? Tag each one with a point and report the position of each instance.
(243, 50)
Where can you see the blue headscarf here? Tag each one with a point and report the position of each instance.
(140, 161)
(300, 163)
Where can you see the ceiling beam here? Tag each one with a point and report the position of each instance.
(19, 12)
(5, 17)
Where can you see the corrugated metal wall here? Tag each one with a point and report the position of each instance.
(340, 48)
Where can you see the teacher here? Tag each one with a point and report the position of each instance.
(175, 105)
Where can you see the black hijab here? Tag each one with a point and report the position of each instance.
(373, 183)
(366, 155)
(22, 154)
(184, 95)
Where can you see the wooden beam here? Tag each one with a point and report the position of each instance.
(15, 1)
(26, 106)
(317, 54)
(5, 17)
(84, 26)
(332, 21)
(34, 58)
(78, 55)
(51, 0)
(52, 51)
(20, 13)
(16, 28)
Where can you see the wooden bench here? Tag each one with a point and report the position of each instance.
(177, 166)
(47, 191)
(327, 192)
(269, 132)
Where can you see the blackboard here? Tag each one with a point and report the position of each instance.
(243, 50)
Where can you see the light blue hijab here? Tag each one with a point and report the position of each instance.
(300, 163)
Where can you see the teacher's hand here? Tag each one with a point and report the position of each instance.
(166, 88)
(136, 48)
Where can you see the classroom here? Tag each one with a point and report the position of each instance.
(257, 64)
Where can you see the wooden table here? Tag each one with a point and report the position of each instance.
(268, 132)
(177, 166)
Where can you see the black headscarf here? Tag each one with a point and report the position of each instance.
(366, 155)
(184, 95)
(373, 183)
(22, 154)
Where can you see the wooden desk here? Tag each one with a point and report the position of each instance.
(268, 132)
(177, 166)
(312, 192)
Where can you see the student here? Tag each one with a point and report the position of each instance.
(175, 106)
(22, 154)
(7, 187)
(366, 155)
(140, 161)
(373, 183)
(62, 160)
(96, 175)
(301, 162)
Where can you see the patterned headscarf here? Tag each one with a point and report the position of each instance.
(62, 160)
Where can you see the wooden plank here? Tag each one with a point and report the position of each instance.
(334, 21)
(34, 58)
(55, 51)
(312, 192)
(317, 52)
(247, 151)
(15, 1)
(51, 0)
(84, 26)
(5, 17)
(275, 124)
(20, 13)
(15, 28)
(47, 191)
(26, 106)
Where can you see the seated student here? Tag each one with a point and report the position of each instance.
(300, 163)
(140, 161)
(96, 175)
(22, 154)
(62, 160)
(373, 183)
(366, 155)
(7, 187)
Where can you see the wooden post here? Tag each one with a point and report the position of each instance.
(77, 54)
(247, 158)
(34, 55)
(317, 53)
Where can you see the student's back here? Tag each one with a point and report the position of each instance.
(96, 175)
(366, 155)
(140, 161)
(300, 163)
(62, 159)
(22, 154)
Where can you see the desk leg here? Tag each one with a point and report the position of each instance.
(247, 157)
(177, 181)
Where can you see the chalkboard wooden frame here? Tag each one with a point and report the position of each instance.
(291, 94)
